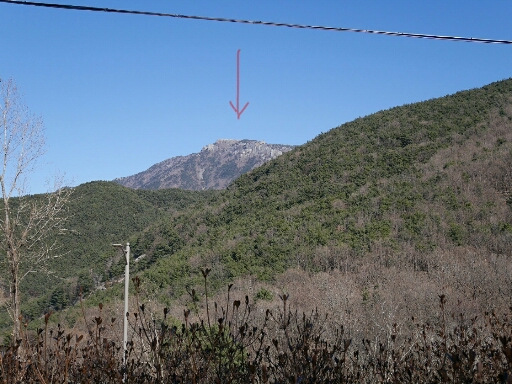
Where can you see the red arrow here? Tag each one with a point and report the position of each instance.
(237, 109)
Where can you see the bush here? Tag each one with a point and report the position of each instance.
(264, 294)
(284, 347)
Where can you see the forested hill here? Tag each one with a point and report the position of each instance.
(99, 214)
(102, 213)
(405, 183)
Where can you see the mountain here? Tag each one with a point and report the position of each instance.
(386, 211)
(422, 189)
(215, 167)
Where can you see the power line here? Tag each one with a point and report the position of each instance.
(268, 23)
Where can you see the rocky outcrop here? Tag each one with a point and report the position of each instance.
(216, 166)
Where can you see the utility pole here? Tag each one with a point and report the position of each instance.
(126, 286)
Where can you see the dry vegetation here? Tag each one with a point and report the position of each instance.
(239, 342)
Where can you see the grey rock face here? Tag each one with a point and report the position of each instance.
(216, 166)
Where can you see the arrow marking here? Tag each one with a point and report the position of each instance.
(237, 109)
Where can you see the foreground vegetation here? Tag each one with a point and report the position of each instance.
(232, 344)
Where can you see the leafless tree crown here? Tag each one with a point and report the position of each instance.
(27, 223)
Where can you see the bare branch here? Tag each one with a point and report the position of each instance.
(27, 223)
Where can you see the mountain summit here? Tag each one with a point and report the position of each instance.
(216, 166)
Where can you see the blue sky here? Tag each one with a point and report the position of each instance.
(119, 93)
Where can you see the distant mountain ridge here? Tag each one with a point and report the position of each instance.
(215, 167)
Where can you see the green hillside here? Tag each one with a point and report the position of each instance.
(406, 183)
(100, 214)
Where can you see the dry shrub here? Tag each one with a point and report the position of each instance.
(354, 337)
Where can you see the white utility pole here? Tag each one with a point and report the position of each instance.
(126, 286)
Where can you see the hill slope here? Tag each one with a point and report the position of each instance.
(406, 184)
(100, 214)
(216, 166)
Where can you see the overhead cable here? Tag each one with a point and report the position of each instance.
(268, 23)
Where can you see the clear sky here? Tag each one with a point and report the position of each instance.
(119, 93)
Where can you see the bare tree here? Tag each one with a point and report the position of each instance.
(28, 224)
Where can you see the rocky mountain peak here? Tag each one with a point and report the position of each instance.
(214, 167)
